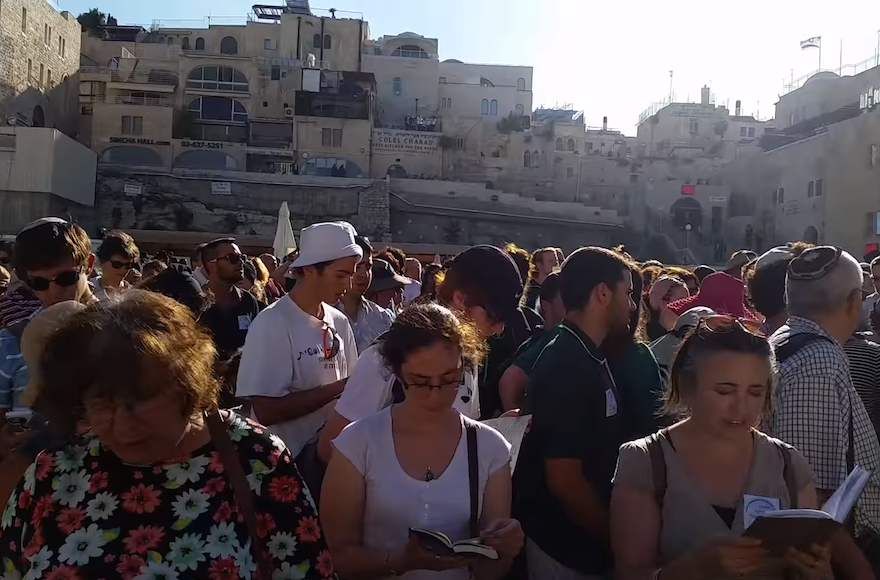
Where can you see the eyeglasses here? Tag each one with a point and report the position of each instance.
(233, 258)
(121, 265)
(64, 280)
(331, 343)
(445, 385)
(720, 323)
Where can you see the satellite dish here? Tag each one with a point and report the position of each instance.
(11, 120)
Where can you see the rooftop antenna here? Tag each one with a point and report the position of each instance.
(670, 86)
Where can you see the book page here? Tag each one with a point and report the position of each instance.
(841, 503)
(513, 429)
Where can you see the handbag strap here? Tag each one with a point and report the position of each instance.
(240, 487)
(474, 478)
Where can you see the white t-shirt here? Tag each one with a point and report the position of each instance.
(284, 353)
(395, 502)
(369, 389)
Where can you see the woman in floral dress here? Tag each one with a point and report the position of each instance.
(145, 493)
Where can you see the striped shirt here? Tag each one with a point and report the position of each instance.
(17, 304)
(864, 368)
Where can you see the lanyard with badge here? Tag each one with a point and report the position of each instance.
(611, 406)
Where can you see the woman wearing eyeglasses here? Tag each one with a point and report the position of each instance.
(482, 285)
(410, 465)
(117, 255)
(683, 496)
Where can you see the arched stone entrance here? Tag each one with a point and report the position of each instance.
(686, 210)
(38, 119)
(396, 170)
(811, 235)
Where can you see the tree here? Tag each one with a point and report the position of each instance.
(92, 20)
(510, 123)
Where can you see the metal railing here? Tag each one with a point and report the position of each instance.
(151, 77)
(140, 101)
(845, 70)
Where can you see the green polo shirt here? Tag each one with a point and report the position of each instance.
(576, 414)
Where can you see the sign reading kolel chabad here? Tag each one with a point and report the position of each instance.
(418, 142)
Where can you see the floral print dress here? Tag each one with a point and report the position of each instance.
(81, 513)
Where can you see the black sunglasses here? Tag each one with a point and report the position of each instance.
(121, 265)
(233, 258)
(331, 343)
(64, 279)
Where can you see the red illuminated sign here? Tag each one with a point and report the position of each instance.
(872, 248)
(688, 189)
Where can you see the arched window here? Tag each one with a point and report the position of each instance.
(410, 51)
(316, 41)
(520, 84)
(493, 107)
(397, 86)
(484, 107)
(217, 78)
(569, 145)
(218, 109)
(527, 159)
(131, 155)
(184, 44)
(200, 44)
(327, 42)
(229, 46)
(484, 82)
(559, 143)
(519, 111)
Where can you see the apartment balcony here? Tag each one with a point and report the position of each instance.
(135, 100)
(155, 80)
(335, 106)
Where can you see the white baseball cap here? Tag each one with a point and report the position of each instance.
(326, 242)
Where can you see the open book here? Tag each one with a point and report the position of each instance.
(440, 544)
(513, 429)
(801, 528)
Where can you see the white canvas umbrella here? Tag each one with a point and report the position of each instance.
(284, 240)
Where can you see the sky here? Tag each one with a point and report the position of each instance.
(606, 58)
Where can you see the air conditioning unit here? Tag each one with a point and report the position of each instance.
(288, 113)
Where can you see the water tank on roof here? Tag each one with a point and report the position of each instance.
(298, 6)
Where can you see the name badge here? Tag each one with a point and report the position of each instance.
(244, 322)
(610, 403)
(754, 506)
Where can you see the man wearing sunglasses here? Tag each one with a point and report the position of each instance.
(53, 258)
(118, 255)
(230, 316)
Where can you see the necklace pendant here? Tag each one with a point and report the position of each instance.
(429, 475)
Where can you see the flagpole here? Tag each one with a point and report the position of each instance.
(840, 70)
(820, 53)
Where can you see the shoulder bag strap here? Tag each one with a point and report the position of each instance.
(240, 487)
(788, 476)
(658, 467)
(474, 478)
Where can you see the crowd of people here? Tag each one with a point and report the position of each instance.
(297, 417)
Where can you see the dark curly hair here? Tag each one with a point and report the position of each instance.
(420, 326)
(144, 345)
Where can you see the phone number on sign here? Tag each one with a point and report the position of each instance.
(202, 145)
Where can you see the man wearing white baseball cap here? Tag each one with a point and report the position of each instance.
(300, 350)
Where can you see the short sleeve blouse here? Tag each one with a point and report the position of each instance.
(689, 519)
(396, 502)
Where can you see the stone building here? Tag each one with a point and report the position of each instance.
(39, 52)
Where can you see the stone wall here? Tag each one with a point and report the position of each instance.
(37, 41)
(231, 203)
